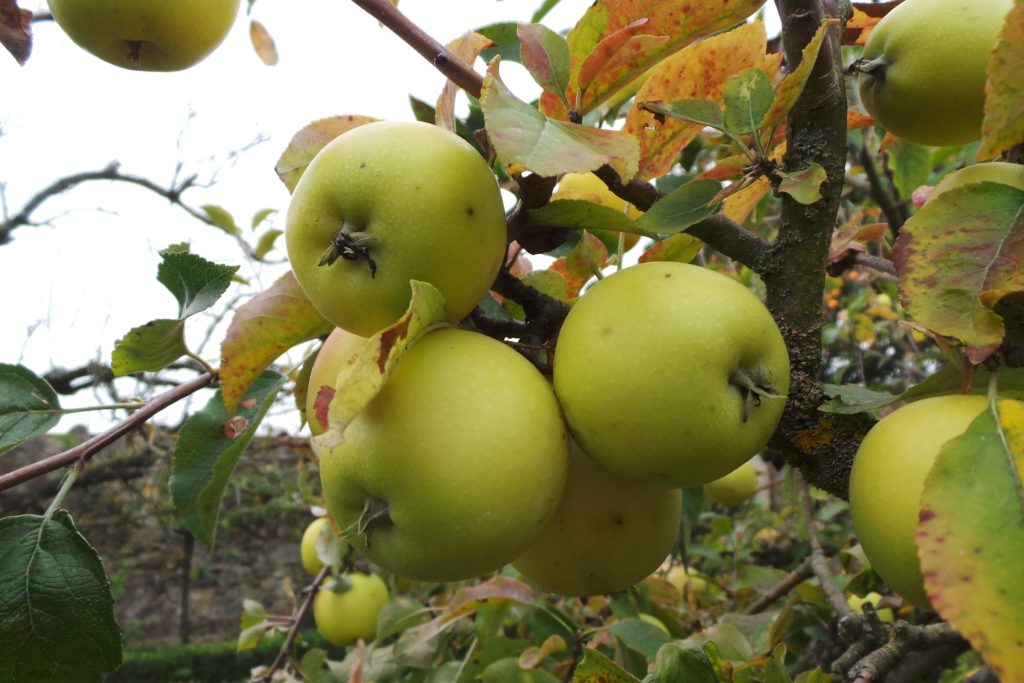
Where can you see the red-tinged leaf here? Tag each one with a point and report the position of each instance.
(963, 243)
(263, 43)
(856, 120)
(545, 54)
(698, 72)
(261, 330)
(594, 667)
(681, 248)
(680, 23)
(532, 657)
(501, 588)
(305, 144)
(573, 283)
(616, 56)
(587, 257)
(804, 185)
(726, 168)
(467, 48)
(16, 30)
(793, 84)
(970, 536)
(527, 140)
(1003, 125)
(853, 236)
(368, 369)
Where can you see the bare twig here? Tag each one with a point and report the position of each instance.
(906, 637)
(818, 559)
(895, 213)
(293, 630)
(795, 578)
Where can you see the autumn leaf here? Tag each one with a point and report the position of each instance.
(545, 54)
(305, 144)
(793, 84)
(1003, 125)
(467, 48)
(16, 30)
(263, 43)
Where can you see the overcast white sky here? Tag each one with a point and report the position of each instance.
(71, 288)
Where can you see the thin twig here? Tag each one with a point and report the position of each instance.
(818, 559)
(795, 578)
(293, 630)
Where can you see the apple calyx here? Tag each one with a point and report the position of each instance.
(754, 384)
(350, 246)
(374, 516)
(134, 52)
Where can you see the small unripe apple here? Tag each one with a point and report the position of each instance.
(343, 618)
(686, 579)
(923, 71)
(310, 560)
(146, 35)
(735, 488)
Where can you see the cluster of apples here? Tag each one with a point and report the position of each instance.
(665, 376)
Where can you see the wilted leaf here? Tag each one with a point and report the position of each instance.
(695, 75)
(681, 208)
(1003, 125)
(680, 248)
(262, 329)
(56, 612)
(793, 84)
(545, 54)
(525, 139)
(594, 667)
(498, 588)
(16, 30)
(466, 47)
(28, 405)
(262, 43)
(971, 536)
(804, 185)
(305, 144)
(399, 614)
(370, 368)
(853, 236)
(573, 283)
(963, 243)
(205, 456)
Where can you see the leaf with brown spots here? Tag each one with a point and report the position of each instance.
(1003, 125)
(16, 30)
(681, 248)
(670, 27)
(788, 91)
(971, 536)
(263, 43)
(262, 329)
(961, 245)
(573, 283)
(527, 140)
(305, 144)
(467, 48)
(594, 667)
(368, 370)
(616, 55)
(698, 72)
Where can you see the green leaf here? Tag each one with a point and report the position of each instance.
(804, 186)
(681, 248)
(209, 446)
(505, 35)
(543, 10)
(594, 667)
(507, 670)
(221, 218)
(149, 347)
(639, 635)
(545, 54)
(583, 215)
(56, 612)
(266, 243)
(195, 282)
(28, 405)
(731, 643)
(399, 614)
(911, 165)
(260, 216)
(748, 96)
(678, 663)
(704, 112)
(681, 208)
(971, 536)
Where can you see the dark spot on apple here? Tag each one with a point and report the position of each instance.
(362, 164)
(668, 274)
(470, 212)
(927, 514)
(619, 521)
(978, 550)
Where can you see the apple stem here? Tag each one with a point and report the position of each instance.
(754, 384)
(873, 67)
(375, 516)
(135, 52)
(350, 246)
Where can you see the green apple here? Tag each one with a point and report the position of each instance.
(388, 202)
(588, 187)
(887, 480)
(922, 74)
(455, 467)
(334, 355)
(686, 579)
(310, 560)
(343, 618)
(606, 535)
(735, 488)
(670, 374)
(146, 35)
(992, 171)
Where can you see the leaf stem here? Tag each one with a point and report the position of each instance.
(65, 488)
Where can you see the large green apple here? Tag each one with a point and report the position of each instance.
(670, 374)
(923, 71)
(992, 171)
(337, 349)
(343, 618)
(388, 202)
(888, 478)
(456, 466)
(606, 535)
(147, 35)
(735, 488)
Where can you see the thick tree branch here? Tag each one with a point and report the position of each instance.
(906, 637)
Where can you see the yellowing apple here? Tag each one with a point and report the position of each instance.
(923, 74)
(606, 534)
(588, 187)
(887, 480)
(992, 171)
(310, 560)
(660, 370)
(334, 355)
(343, 618)
(735, 488)
(388, 202)
(455, 467)
(146, 35)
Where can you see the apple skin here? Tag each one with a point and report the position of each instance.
(589, 187)
(606, 535)
(334, 355)
(146, 35)
(430, 205)
(929, 86)
(344, 618)
(735, 488)
(992, 171)
(686, 579)
(887, 481)
(643, 367)
(310, 560)
(465, 446)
